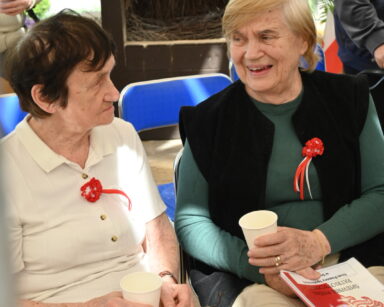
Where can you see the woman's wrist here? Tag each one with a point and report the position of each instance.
(323, 242)
(167, 275)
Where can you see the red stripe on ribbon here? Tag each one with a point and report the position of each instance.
(312, 148)
(114, 191)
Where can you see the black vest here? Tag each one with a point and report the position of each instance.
(231, 141)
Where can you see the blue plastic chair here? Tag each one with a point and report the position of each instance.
(156, 103)
(10, 113)
(321, 63)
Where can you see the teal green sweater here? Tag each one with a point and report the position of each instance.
(350, 225)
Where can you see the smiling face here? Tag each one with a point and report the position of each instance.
(266, 55)
(90, 98)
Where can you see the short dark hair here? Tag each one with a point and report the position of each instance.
(49, 52)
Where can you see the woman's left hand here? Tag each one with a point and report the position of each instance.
(176, 295)
(289, 249)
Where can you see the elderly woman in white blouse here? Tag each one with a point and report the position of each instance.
(83, 208)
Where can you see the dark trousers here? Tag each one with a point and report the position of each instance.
(217, 289)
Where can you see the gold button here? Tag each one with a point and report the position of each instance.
(103, 217)
(84, 175)
(114, 238)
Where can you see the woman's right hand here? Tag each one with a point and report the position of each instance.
(290, 249)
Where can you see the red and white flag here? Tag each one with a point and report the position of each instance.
(330, 47)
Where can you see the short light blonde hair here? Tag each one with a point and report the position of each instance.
(298, 18)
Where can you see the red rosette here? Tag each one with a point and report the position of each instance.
(313, 148)
(93, 189)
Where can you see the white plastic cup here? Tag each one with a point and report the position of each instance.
(257, 223)
(142, 287)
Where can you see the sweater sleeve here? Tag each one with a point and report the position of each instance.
(360, 21)
(362, 219)
(197, 233)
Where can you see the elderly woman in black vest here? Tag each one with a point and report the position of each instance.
(242, 149)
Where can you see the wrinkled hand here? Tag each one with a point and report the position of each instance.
(113, 299)
(298, 250)
(379, 56)
(176, 295)
(14, 7)
(277, 283)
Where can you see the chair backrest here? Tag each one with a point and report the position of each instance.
(156, 103)
(176, 164)
(375, 79)
(10, 113)
(184, 258)
(321, 63)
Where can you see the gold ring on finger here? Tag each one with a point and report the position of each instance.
(277, 260)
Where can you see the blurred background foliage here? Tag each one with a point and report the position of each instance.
(320, 9)
(42, 8)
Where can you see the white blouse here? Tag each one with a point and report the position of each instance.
(64, 248)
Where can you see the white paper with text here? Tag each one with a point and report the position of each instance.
(344, 284)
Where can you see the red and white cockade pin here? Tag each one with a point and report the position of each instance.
(314, 147)
(92, 190)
